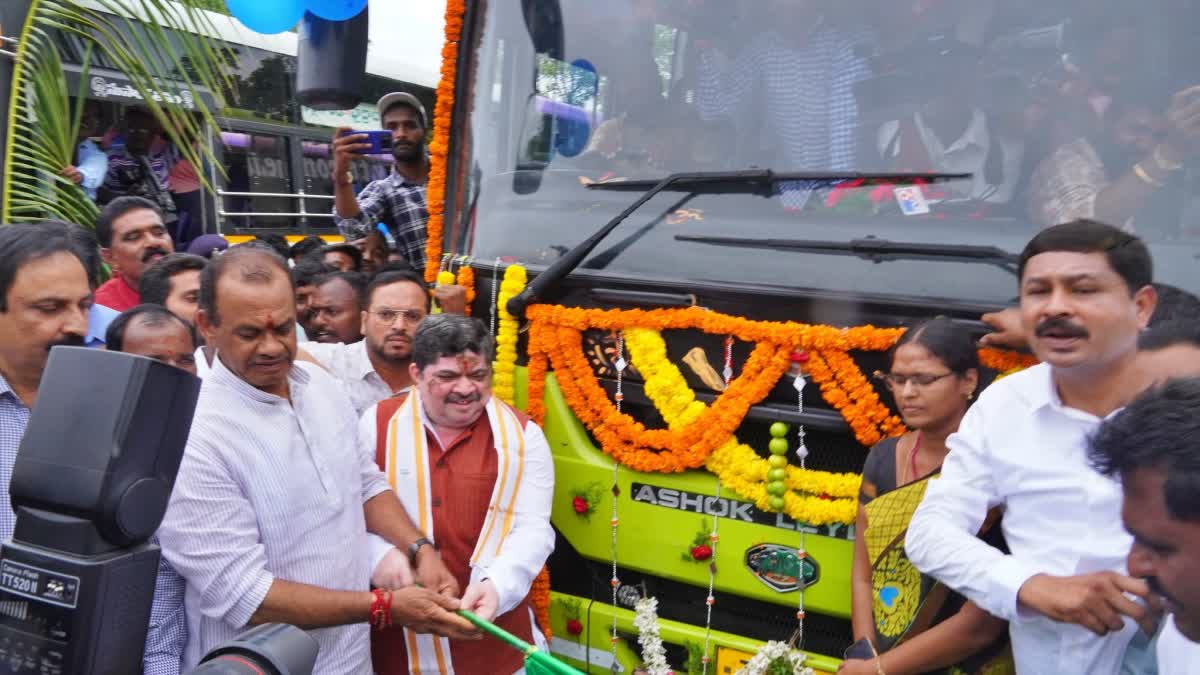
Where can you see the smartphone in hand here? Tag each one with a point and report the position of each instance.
(863, 649)
(380, 141)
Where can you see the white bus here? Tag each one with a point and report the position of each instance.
(275, 152)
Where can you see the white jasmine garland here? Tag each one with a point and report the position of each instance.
(646, 621)
(771, 652)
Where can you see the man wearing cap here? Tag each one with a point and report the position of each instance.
(397, 201)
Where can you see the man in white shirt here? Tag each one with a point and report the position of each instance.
(1084, 296)
(477, 477)
(1151, 446)
(376, 367)
(269, 517)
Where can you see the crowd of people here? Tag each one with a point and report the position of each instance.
(244, 542)
(297, 501)
(1039, 524)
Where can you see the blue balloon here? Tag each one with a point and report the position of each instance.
(336, 10)
(571, 136)
(267, 16)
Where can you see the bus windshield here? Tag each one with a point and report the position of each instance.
(1056, 109)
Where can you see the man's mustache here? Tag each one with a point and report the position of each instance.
(259, 361)
(1060, 327)
(458, 398)
(152, 251)
(68, 341)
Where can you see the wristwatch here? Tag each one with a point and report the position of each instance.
(415, 547)
(345, 178)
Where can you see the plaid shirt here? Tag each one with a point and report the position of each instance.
(807, 89)
(167, 633)
(398, 204)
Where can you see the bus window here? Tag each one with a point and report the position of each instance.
(257, 163)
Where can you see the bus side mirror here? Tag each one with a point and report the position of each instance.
(543, 20)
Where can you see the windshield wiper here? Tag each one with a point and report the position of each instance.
(762, 181)
(746, 181)
(872, 248)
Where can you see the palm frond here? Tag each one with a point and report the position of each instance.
(160, 46)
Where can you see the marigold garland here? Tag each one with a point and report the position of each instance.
(630, 442)
(744, 472)
(738, 465)
(539, 597)
(1005, 362)
(867, 416)
(466, 279)
(538, 365)
(556, 340)
(435, 197)
(504, 369)
(799, 335)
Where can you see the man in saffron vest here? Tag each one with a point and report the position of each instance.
(477, 478)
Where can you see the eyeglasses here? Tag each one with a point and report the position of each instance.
(894, 381)
(389, 315)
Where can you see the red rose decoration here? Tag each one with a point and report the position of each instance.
(574, 626)
(881, 192)
(580, 505)
(701, 552)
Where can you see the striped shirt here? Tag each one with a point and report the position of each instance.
(400, 205)
(167, 630)
(270, 489)
(806, 87)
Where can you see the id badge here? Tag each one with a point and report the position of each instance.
(911, 200)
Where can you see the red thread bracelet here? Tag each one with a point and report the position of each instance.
(381, 609)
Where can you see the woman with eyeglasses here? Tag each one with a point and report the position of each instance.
(904, 622)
